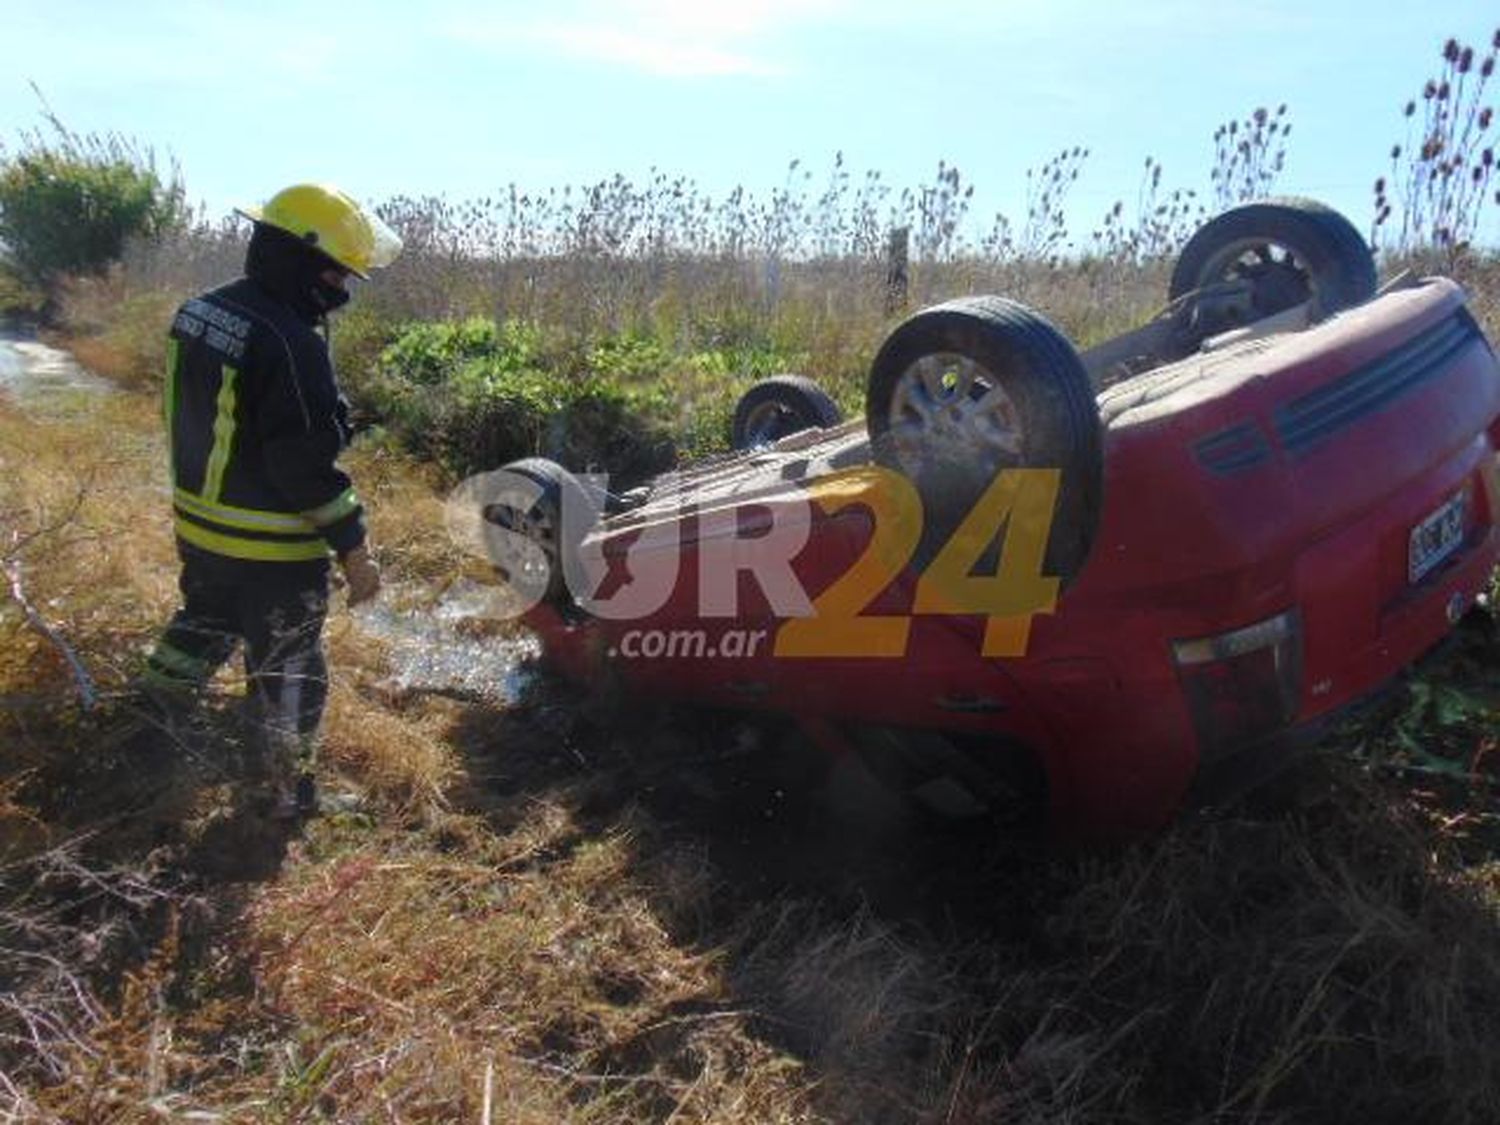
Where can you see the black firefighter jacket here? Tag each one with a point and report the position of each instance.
(255, 422)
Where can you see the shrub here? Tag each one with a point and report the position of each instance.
(475, 394)
(428, 354)
(19, 299)
(360, 336)
(629, 357)
(69, 202)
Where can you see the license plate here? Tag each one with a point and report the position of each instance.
(1435, 538)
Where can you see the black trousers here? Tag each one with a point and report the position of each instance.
(276, 610)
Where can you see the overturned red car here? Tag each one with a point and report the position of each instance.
(1107, 582)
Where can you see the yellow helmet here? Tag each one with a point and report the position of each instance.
(330, 221)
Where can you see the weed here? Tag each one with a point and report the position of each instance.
(1249, 156)
(475, 394)
(1161, 222)
(1438, 187)
(1045, 235)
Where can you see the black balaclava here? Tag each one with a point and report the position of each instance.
(289, 269)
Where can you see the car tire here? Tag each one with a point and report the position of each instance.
(966, 389)
(1292, 249)
(540, 571)
(779, 406)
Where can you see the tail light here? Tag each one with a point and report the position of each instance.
(1244, 684)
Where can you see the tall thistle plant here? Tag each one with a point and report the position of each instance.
(1249, 156)
(1440, 182)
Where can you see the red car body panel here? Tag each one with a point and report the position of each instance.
(1281, 475)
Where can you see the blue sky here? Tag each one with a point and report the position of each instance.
(460, 98)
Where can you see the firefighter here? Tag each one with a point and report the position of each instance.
(255, 423)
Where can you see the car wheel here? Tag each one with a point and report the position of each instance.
(779, 406)
(1289, 251)
(965, 389)
(524, 529)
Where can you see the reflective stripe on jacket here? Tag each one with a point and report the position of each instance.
(255, 423)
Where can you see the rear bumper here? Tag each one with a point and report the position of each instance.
(1221, 781)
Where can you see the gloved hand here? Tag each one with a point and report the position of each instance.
(362, 575)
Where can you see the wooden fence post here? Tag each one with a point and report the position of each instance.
(897, 258)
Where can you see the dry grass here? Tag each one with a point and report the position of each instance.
(404, 504)
(118, 327)
(178, 990)
(536, 950)
(86, 522)
(710, 327)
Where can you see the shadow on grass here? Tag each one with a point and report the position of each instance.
(1320, 951)
(774, 814)
(127, 855)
